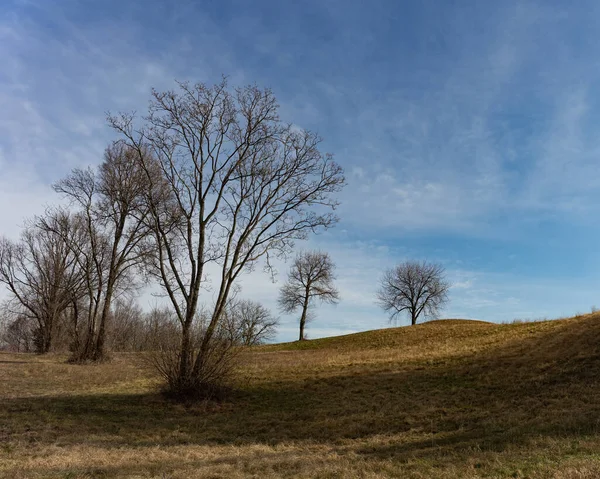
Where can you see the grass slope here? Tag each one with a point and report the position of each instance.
(447, 399)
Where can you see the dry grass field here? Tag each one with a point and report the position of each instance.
(446, 399)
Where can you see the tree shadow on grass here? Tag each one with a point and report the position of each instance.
(544, 386)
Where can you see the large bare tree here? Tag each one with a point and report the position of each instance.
(111, 207)
(41, 274)
(415, 288)
(241, 186)
(310, 279)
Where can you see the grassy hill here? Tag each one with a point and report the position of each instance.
(447, 399)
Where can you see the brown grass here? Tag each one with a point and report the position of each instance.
(447, 399)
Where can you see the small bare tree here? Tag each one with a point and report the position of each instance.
(249, 322)
(310, 278)
(415, 288)
(17, 332)
(237, 185)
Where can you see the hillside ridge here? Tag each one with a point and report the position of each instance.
(438, 331)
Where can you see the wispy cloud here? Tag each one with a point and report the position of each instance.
(467, 134)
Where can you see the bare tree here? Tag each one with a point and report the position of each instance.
(249, 323)
(40, 272)
(219, 362)
(112, 209)
(17, 332)
(414, 288)
(310, 278)
(159, 322)
(237, 185)
(128, 326)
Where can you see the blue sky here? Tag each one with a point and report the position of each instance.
(467, 129)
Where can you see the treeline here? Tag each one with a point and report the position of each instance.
(74, 271)
(131, 329)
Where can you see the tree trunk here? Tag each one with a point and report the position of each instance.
(86, 352)
(46, 340)
(99, 353)
(212, 326)
(186, 355)
(413, 318)
(303, 317)
(43, 337)
(76, 343)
